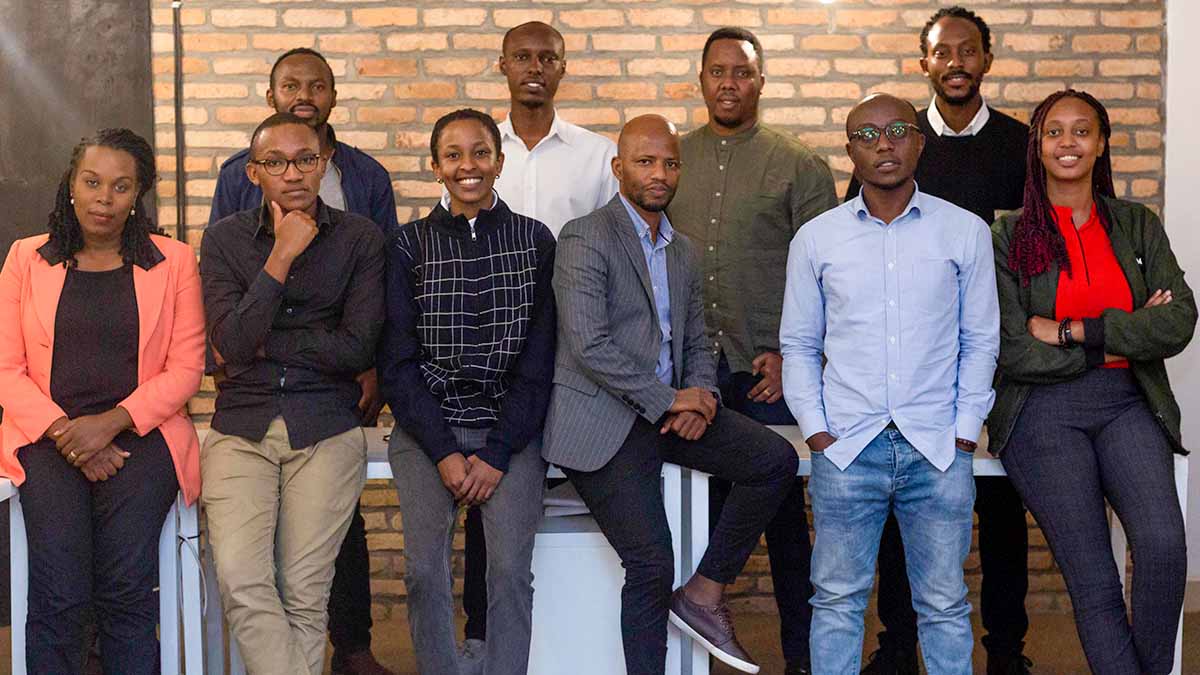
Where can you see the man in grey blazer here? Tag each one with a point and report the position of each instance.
(634, 386)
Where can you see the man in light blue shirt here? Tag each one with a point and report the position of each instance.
(897, 291)
(655, 251)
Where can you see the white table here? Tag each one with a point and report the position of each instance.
(696, 517)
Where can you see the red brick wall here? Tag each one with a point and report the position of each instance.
(401, 67)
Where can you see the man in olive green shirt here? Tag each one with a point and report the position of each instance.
(745, 190)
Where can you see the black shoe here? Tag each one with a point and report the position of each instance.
(798, 668)
(891, 661)
(1011, 663)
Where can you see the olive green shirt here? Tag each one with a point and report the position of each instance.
(740, 200)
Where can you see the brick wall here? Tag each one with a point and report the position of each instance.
(400, 67)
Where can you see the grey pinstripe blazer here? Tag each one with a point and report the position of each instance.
(608, 337)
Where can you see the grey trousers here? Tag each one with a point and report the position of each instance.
(510, 521)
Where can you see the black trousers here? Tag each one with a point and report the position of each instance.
(625, 498)
(1003, 557)
(350, 595)
(1076, 445)
(95, 544)
(788, 547)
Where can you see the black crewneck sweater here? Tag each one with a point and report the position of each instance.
(983, 173)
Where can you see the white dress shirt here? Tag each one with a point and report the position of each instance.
(938, 123)
(567, 175)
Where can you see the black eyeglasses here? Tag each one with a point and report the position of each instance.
(869, 135)
(278, 167)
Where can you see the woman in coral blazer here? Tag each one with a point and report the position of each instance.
(101, 346)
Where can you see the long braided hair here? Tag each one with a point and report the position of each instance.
(1036, 240)
(66, 235)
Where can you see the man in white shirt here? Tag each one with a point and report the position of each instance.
(554, 171)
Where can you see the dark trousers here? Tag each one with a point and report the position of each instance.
(474, 597)
(1075, 445)
(95, 544)
(350, 595)
(625, 498)
(1003, 556)
(788, 548)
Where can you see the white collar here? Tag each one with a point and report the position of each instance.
(559, 127)
(939, 125)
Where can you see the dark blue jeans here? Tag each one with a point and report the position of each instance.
(1074, 446)
(95, 544)
(788, 548)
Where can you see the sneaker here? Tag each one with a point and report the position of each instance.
(889, 661)
(712, 627)
(798, 668)
(360, 663)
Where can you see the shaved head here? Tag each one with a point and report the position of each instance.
(902, 109)
(640, 128)
(647, 165)
(536, 27)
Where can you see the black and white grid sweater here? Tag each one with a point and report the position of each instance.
(470, 333)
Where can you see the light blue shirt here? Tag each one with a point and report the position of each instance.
(907, 317)
(656, 260)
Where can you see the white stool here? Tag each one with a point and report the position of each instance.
(172, 597)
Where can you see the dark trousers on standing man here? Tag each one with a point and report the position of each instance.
(625, 498)
(788, 547)
(350, 595)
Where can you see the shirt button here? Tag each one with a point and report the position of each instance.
(891, 303)
(724, 142)
(711, 277)
(716, 344)
(720, 332)
(718, 194)
(714, 305)
(892, 339)
(712, 248)
(891, 265)
(714, 222)
(892, 375)
(721, 167)
(290, 310)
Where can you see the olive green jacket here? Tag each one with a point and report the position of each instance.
(1145, 336)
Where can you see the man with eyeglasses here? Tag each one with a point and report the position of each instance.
(293, 297)
(974, 158)
(890, 335)
(302, 83)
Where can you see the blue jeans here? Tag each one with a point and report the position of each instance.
(934, 512)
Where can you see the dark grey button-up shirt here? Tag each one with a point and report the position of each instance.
(740, 199)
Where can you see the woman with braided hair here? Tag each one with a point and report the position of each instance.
(101, 346)
(1092, 301)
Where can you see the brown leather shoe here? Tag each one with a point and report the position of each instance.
(712, 627)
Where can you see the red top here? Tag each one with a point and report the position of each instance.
(1096, 282)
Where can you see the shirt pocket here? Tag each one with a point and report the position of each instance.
(932, 287)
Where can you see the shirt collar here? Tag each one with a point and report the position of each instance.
(446, 200)
(735, 139)
(558, 127)
(938, 124)
(915, 203)
(324, 218)
(666, 233)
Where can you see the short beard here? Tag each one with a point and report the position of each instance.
(640, 200)
(972, 92)
(729, 123)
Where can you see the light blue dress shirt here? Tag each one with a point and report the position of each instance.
(907, 317)
(656, 260)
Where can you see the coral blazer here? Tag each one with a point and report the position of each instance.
(170, 352)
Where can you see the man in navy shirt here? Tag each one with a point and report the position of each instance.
(302, 83)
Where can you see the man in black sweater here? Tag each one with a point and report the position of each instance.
(975, 158)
